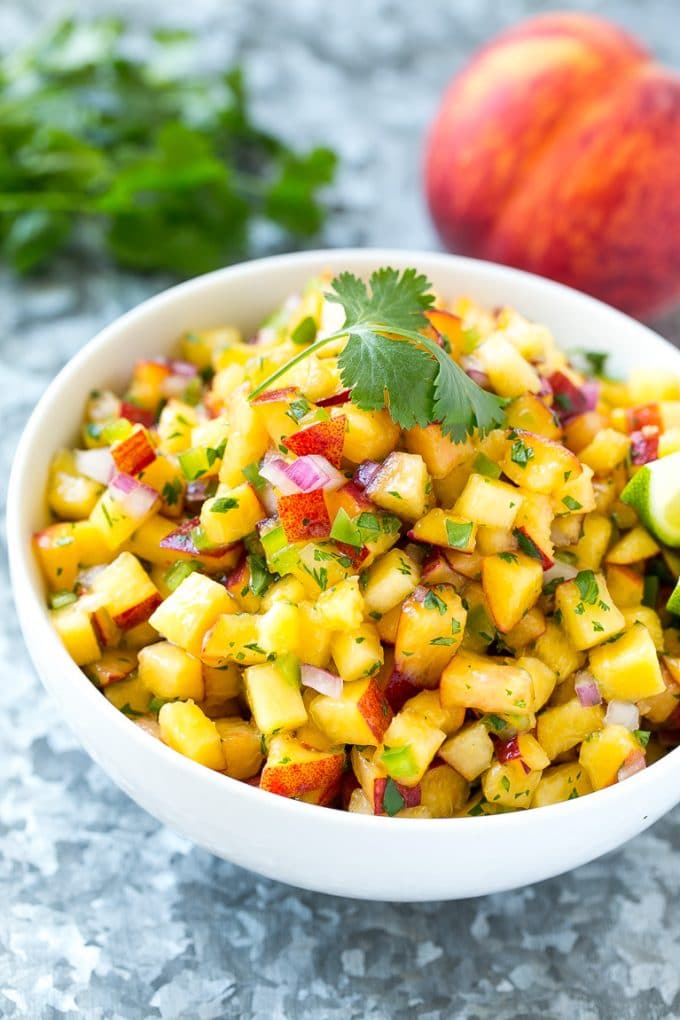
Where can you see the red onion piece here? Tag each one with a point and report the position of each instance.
(366, 472)
(622, 713)
(587, 691)
(338, 398)
(481, 378)
(185, 368)
(135, 498)
(312, 471)
(274, 470)
(197, 493)
(559, 571)
(96, 464)
(635, 762)
(321, 680)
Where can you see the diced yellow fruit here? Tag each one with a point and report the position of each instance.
(410, 744)
(402, 486)
(357, 653)
(512, 583)
(389, 580)
(359, 716)
(139, 636)
(369, 435)
(646, 385)
(531, 752)
(635, 545)
(576, 495)
(488, 501)
(170, 672)
(234, 637)
(112, 520)
(534, 520)
(628, 669)
(509, 786)
(175, 425)
(448, 489)
(113, 666)
(342, 606)
(528, 412)
(537, 463)
(287, 589)
(442, 527)
(626, 586)
(231, 514)
(248, 441)
(187, 614)
(543, 677)
(187, 730)
(440, 453)
(367, 769)
(280, 629)
(165, 476)
(608, 449)
(592, 545)
(388, 625)
(669, 442)
(560, 783)
(659, 707)
(359, 804)
(483, 683)
(443, 791)
(603, 754)
(241, 747)
(199, 346)
(557, 651)
(71, 496)
(494, 540)
(562, 727)
(317, 640)
(649, 619)
(126, 591)
(74, 626)
(588, 620)
(274, 696)
(221, 685)
(509, 373)
(529, 629)
(64, 549)
(131, 697)
(428, 705)
(430, 631)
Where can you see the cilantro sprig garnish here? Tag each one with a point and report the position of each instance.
(388, 363)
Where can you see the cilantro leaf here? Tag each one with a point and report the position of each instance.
(378, 379)
(587, 585)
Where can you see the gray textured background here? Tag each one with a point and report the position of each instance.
(104, 914)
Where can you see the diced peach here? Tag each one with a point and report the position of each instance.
(430, 631)
(293, 769)
(359, 716)
(325, 438)
(537, 463)
(512, 583)
(483, 683)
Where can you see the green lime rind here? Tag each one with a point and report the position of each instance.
(654, 493)
(673, 604)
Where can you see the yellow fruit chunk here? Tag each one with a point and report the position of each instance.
(389, 580)
(560, 728)
(628, 669)
(429, 706)
(529, 629)
(410, 744)
(441, 454)
(512, 583)
(359, 716)
(576, 495)
(509, 786)
(589, 615)
(529, 413)
(274, 696)
(294, 770)
(186, 729)
(537, 463)
(556, 650)
(649, 619)
(231, 514)
(483, 683)
(637, 544)
(560, 783)
(221, 685)
(235, 638)
(131, 697)
(608, 449)
(488, 501)
(430, 631)
(126, 591)
(442, 527)
(66, 548)
(241, 747)
(510, 374)
(175, 426)
(70, 495)
(603, 754)
(342, 606)
(357, 653)
(402, 486)
(443, 791)
(469, 751)
(191, 610)
(543, 677)
(170, 672)
(74, 626)
(592, 545)
(626, 586)
(370, 435)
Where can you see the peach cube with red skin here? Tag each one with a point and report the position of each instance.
(293, 769)
(127, 592)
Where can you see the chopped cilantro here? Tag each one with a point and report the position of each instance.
(223, 504)
(432, 601)
(587, 585)
(393, 802)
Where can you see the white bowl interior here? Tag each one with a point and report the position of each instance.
(198, 802)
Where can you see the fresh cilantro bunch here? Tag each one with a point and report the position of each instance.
(388, 363)
(132, 154)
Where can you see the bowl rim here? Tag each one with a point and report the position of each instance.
(31, 604)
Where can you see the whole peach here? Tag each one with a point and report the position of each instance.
(557, 149)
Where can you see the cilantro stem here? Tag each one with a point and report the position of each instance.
(305, 353)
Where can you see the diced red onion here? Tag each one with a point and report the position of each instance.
(135, 498)
(560, 571)
(481, 378)
(591, 392)
(622, 713)
(312, 471)
(185, 368)
(85, 578)
(267, 498)
(198, 491)
(366, 472)
(635, 762)
(321, 680)
(338, 398)
(587, 691)
(104, 407)
(96, 464)
(274, 470)
(181, 374)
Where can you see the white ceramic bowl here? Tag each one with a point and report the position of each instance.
(317, 848)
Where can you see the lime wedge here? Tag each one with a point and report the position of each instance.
(654, 492)
(673, 604)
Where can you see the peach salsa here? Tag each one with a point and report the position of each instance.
(395, 554)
